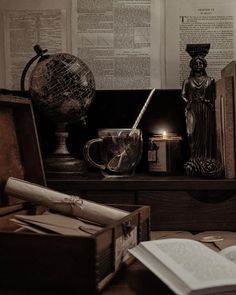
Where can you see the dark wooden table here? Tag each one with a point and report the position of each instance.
(136, 280)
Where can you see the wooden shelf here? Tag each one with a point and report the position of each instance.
(141, 182)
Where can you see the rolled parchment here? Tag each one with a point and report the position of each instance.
(63, 203)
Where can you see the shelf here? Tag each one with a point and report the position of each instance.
(140, 182)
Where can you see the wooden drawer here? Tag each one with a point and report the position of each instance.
(96, 195)
(102, 196)
(179, 210)
(108, 197)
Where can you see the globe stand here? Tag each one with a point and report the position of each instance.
(61, 161)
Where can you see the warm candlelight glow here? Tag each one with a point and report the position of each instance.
(163, 152)
(164, 134)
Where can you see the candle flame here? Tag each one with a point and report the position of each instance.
(164, 134)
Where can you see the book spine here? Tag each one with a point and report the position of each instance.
(225, 124)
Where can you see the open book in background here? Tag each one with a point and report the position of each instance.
(127, 44)
(188, 267)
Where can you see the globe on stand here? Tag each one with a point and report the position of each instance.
(62, 87)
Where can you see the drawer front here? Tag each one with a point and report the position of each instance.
(180, 210)
(95, 194)
(110, 197)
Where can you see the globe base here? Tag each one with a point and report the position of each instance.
(61, 162)
(57, 164)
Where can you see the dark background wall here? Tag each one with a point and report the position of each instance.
(119, 109)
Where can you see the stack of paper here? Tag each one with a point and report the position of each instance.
(55, 223)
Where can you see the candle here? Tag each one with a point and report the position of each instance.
(163, 153)
(164, 134)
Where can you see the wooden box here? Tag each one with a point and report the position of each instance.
(52, 262)
(69, 264)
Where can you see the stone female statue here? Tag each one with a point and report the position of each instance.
(199, 93)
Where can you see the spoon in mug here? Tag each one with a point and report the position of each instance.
(115, 163)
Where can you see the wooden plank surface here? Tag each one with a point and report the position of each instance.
(180, 211)
(140, 182)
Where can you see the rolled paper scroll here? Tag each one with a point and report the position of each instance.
(63, 203)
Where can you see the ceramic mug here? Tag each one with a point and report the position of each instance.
(119, 151)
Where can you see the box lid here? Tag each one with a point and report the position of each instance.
(20, 154)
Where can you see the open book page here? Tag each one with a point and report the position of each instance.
(229, 253)
(202, 21)
(24, 24)
(120, 41)
(127, 44)
(187, 265)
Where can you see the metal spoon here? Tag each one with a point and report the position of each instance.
(115, 163)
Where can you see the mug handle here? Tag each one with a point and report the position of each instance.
(87, 155)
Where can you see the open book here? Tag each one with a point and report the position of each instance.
(127, 44)
(189, 267)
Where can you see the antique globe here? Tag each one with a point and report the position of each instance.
(62, 87)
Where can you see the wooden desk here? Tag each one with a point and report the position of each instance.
(136, 280)
(132, 280)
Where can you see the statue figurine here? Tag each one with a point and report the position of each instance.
(198, 91)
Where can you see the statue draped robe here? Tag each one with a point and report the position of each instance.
(200, 115)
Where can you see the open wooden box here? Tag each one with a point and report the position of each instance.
(52, 262)
(75, 265)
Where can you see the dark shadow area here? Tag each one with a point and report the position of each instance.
(119, 109)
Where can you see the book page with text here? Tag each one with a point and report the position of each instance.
(202, 21)
(189, 265)
(229, 253)
(120, 41)
(26, 23)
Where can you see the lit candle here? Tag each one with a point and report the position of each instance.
(163, 153)
(164, 134)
